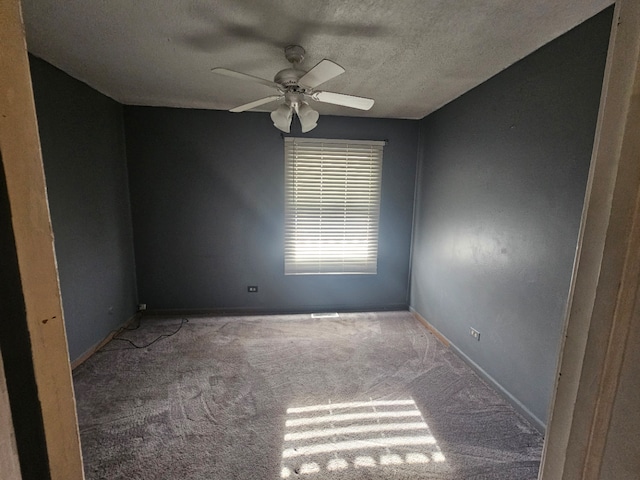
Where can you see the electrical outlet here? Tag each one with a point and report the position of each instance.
(252, 289)
(142, 307)
(474, 333)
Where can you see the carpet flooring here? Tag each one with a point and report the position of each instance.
(361, 396)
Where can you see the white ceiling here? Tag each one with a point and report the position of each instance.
(411, 56)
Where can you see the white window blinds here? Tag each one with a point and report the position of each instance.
(332, 205)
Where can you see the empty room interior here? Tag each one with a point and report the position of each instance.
(366, 267)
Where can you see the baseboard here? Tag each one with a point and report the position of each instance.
(244, 311)
(522, 409)
(431, 328)
(89, 353)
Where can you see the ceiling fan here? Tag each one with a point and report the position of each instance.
(297, 86)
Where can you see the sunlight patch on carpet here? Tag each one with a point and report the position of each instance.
(335, 437)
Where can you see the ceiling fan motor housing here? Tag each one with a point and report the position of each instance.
(289, 77)
(294, 99)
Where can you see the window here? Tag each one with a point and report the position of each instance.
(332, 206)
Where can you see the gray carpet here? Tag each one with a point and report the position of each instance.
(362, 396)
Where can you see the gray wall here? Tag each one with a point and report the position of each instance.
(83, 148)
(502, 176)
(207, 197)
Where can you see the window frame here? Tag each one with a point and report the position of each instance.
(333, 190)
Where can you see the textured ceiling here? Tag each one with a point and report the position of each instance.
(411, 56)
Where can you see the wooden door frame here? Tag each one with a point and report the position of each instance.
(33, 236)
(8, 451)
(606, 273)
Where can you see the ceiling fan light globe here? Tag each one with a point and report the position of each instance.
(283, 128)
(308, 117)
(308, 127)
(307, 114)
(282, 118)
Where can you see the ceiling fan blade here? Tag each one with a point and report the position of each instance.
(243, 76)
(256, 103)
(361, 103)
(322, 72)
